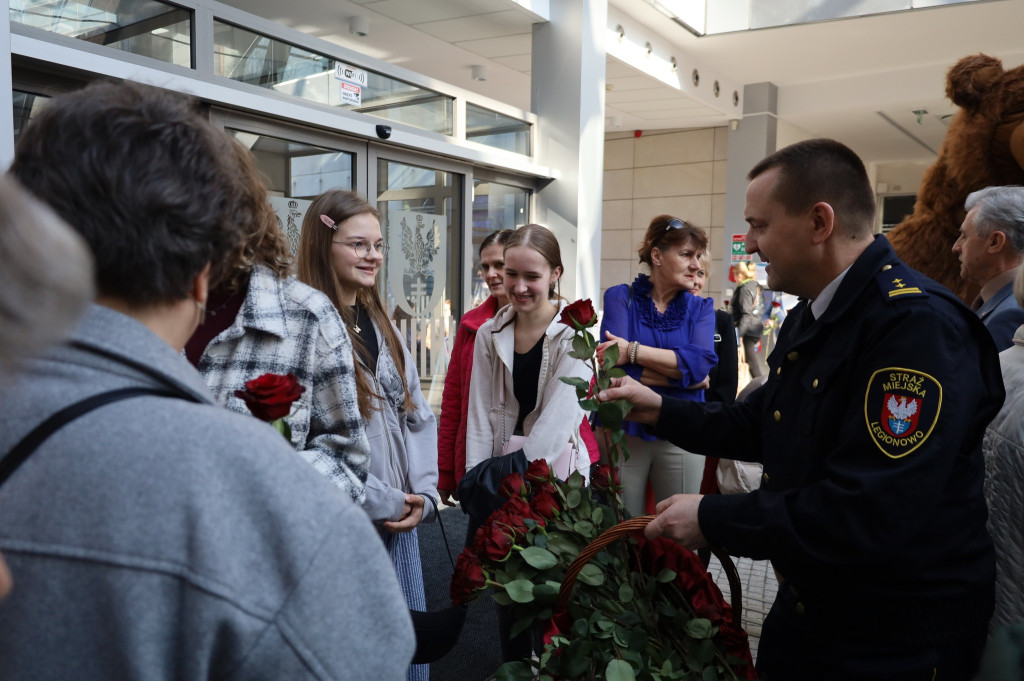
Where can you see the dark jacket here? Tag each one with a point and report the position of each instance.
(869, 429)
(1002, 316)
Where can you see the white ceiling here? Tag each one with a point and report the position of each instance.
(858, 80)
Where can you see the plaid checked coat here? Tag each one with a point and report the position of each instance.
(286, 326)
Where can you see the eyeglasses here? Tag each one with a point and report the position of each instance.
(362, 247)
(675, 224)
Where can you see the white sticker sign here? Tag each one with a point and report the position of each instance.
(350, 93)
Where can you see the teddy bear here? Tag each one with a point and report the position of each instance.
(984, 146)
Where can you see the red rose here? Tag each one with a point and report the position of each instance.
(493, 542)
(579, 315)
(606, 478)
(270, 396)
(516, 511)
(560, 623)
(513, 486)
(538, 471)
(469, 577)
(545, 488)
(545, 505)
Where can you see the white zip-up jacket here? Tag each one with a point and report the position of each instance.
(403, 445)
(556, 418)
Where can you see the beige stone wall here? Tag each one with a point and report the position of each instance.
(675, 172)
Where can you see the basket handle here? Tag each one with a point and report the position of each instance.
(616, 532)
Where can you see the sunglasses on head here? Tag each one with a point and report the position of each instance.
(675, 224)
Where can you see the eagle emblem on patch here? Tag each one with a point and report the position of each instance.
(901, 407)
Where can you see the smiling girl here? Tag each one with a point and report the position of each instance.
(518, 358)
(341, 253)
(517, 361)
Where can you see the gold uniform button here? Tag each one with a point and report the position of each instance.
(793, 356)
(778, 372)
(814, 383)
(777, 415)
(887, 268)
(766, 478)
(800, 609)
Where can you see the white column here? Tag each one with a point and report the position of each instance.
(750, 140)
(568, 82)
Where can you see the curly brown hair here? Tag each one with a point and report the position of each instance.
(266, 243)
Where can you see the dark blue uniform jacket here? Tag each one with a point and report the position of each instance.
(870, 430)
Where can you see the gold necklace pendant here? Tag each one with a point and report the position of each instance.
(355, 327)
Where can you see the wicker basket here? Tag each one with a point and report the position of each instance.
(632, 525)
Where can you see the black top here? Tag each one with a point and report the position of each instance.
(367, 335)
(724, 375)
(525, 375)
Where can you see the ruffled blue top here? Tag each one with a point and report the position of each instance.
(687, 327)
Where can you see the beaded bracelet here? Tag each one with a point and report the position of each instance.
(632, 351)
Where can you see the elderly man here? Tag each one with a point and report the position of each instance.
(869, 428)
(991, 249)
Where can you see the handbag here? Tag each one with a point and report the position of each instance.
(437, 631)
(737, 477)
(478, 490)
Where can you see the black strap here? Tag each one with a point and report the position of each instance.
(444, 537)
(31, 442)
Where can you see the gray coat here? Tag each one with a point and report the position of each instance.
(158, 539)
(1004, 487)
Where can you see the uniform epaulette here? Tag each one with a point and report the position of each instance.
(897, 281)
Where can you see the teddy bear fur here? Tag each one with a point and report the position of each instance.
(983, 147)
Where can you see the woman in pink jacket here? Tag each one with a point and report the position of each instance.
(451, 434)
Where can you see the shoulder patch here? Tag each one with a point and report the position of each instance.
(901, 407)
(897, 281)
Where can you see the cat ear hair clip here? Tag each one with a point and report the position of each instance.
(329, 222)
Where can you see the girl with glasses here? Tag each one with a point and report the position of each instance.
(341, 253)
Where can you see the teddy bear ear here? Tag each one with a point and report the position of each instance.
(970, 78)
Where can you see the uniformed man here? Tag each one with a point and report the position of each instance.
(869, 428)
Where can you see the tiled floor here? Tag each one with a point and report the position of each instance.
(759, 586)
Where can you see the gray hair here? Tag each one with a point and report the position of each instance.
(46, 275)
(1002, 209)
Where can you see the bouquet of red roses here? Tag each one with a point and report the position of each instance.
(639, 609)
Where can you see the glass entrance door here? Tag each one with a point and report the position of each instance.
(421, 204)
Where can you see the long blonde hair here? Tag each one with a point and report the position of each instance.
(316, 269)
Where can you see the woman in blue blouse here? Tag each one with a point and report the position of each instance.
(665, 338)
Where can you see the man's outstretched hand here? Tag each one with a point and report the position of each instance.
(646, 402)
